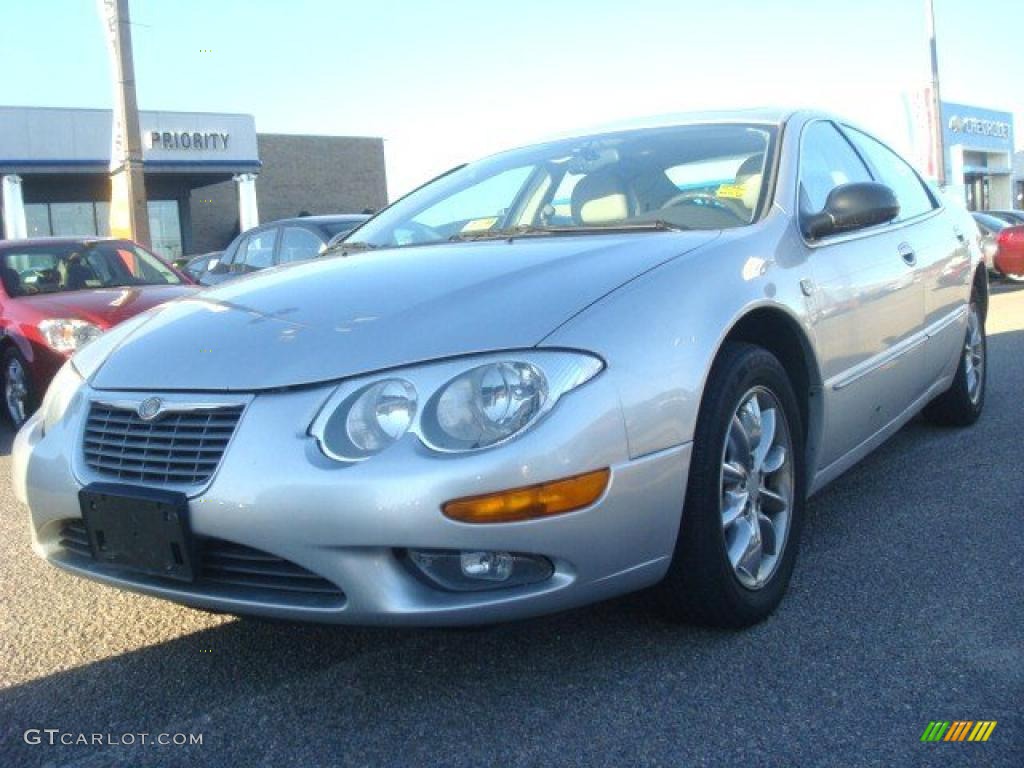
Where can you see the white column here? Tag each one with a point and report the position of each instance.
(248, 213)
(1000, 192)
(955, 179)
(1000, 186)
(15, 227)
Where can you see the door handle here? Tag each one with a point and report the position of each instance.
(907, 254)
(959, 234)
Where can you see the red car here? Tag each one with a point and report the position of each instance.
(1003, 245)
(58, 293)
(1009, 258)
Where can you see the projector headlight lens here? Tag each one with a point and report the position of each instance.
(490, 403)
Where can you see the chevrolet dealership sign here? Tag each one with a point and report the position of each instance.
(998, 128)
(976, 128)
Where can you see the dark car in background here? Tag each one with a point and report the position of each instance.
(196, 266)
(1002, 244)
(56, 294)
(1014, 218)
(279, 242)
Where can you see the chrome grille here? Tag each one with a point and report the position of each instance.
(226, 568)
(179, 447)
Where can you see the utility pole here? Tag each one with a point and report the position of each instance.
(129, 213)
(937, 143)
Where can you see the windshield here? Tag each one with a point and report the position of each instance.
(334, 228)
(685, 177)
(28, 269)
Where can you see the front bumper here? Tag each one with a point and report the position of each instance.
(349, 523)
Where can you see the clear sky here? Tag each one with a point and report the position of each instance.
(444, 81)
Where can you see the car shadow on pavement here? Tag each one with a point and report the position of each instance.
(373, 669)
(7, 433)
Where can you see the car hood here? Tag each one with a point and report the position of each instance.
(337, 317)
(104, 307)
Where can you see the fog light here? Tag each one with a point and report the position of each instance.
(478, 570)
(490, 566)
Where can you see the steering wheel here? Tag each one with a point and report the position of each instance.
(423, 233)
(696, 198)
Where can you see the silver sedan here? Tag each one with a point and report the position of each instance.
(561, 373)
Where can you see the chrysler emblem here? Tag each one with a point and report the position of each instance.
(149, 408)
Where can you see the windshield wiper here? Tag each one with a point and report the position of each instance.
(526, 230)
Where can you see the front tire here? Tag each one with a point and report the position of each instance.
(19, 398)
(963, 402)
(744, 506)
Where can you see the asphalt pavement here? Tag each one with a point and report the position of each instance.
(907, 606)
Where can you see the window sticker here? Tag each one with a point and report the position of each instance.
(479, 225)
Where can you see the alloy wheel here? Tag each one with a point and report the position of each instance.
(757, 487)
(16, 392)
(974, 355)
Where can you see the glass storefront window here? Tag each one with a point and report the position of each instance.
(73, 219)
(93, 219)
(165, 228)
(37, 219)
(103, 219)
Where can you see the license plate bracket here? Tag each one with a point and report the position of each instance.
(140, 529)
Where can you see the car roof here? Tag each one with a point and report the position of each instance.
(776, 116)
(338, 218)
(62, 241)
(990, 221)
(766, 115)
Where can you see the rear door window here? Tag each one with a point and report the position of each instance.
(896, 174)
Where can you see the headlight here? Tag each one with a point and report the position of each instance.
(59, 394)
(370, 420)
(67, 334)
(468, 405)
(488, 404)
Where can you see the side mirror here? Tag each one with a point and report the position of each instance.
(850, 207)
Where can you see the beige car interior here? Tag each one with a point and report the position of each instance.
(605, 196)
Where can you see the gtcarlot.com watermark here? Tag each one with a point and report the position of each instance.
(55, 737)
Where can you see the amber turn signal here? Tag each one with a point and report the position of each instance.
(533, 501)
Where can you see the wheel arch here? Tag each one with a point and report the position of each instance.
(776, 330)
(18, 342)
(979, 286)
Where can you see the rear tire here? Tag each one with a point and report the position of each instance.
(745, 492)
(963, 402)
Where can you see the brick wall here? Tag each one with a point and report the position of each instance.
(317, 174)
